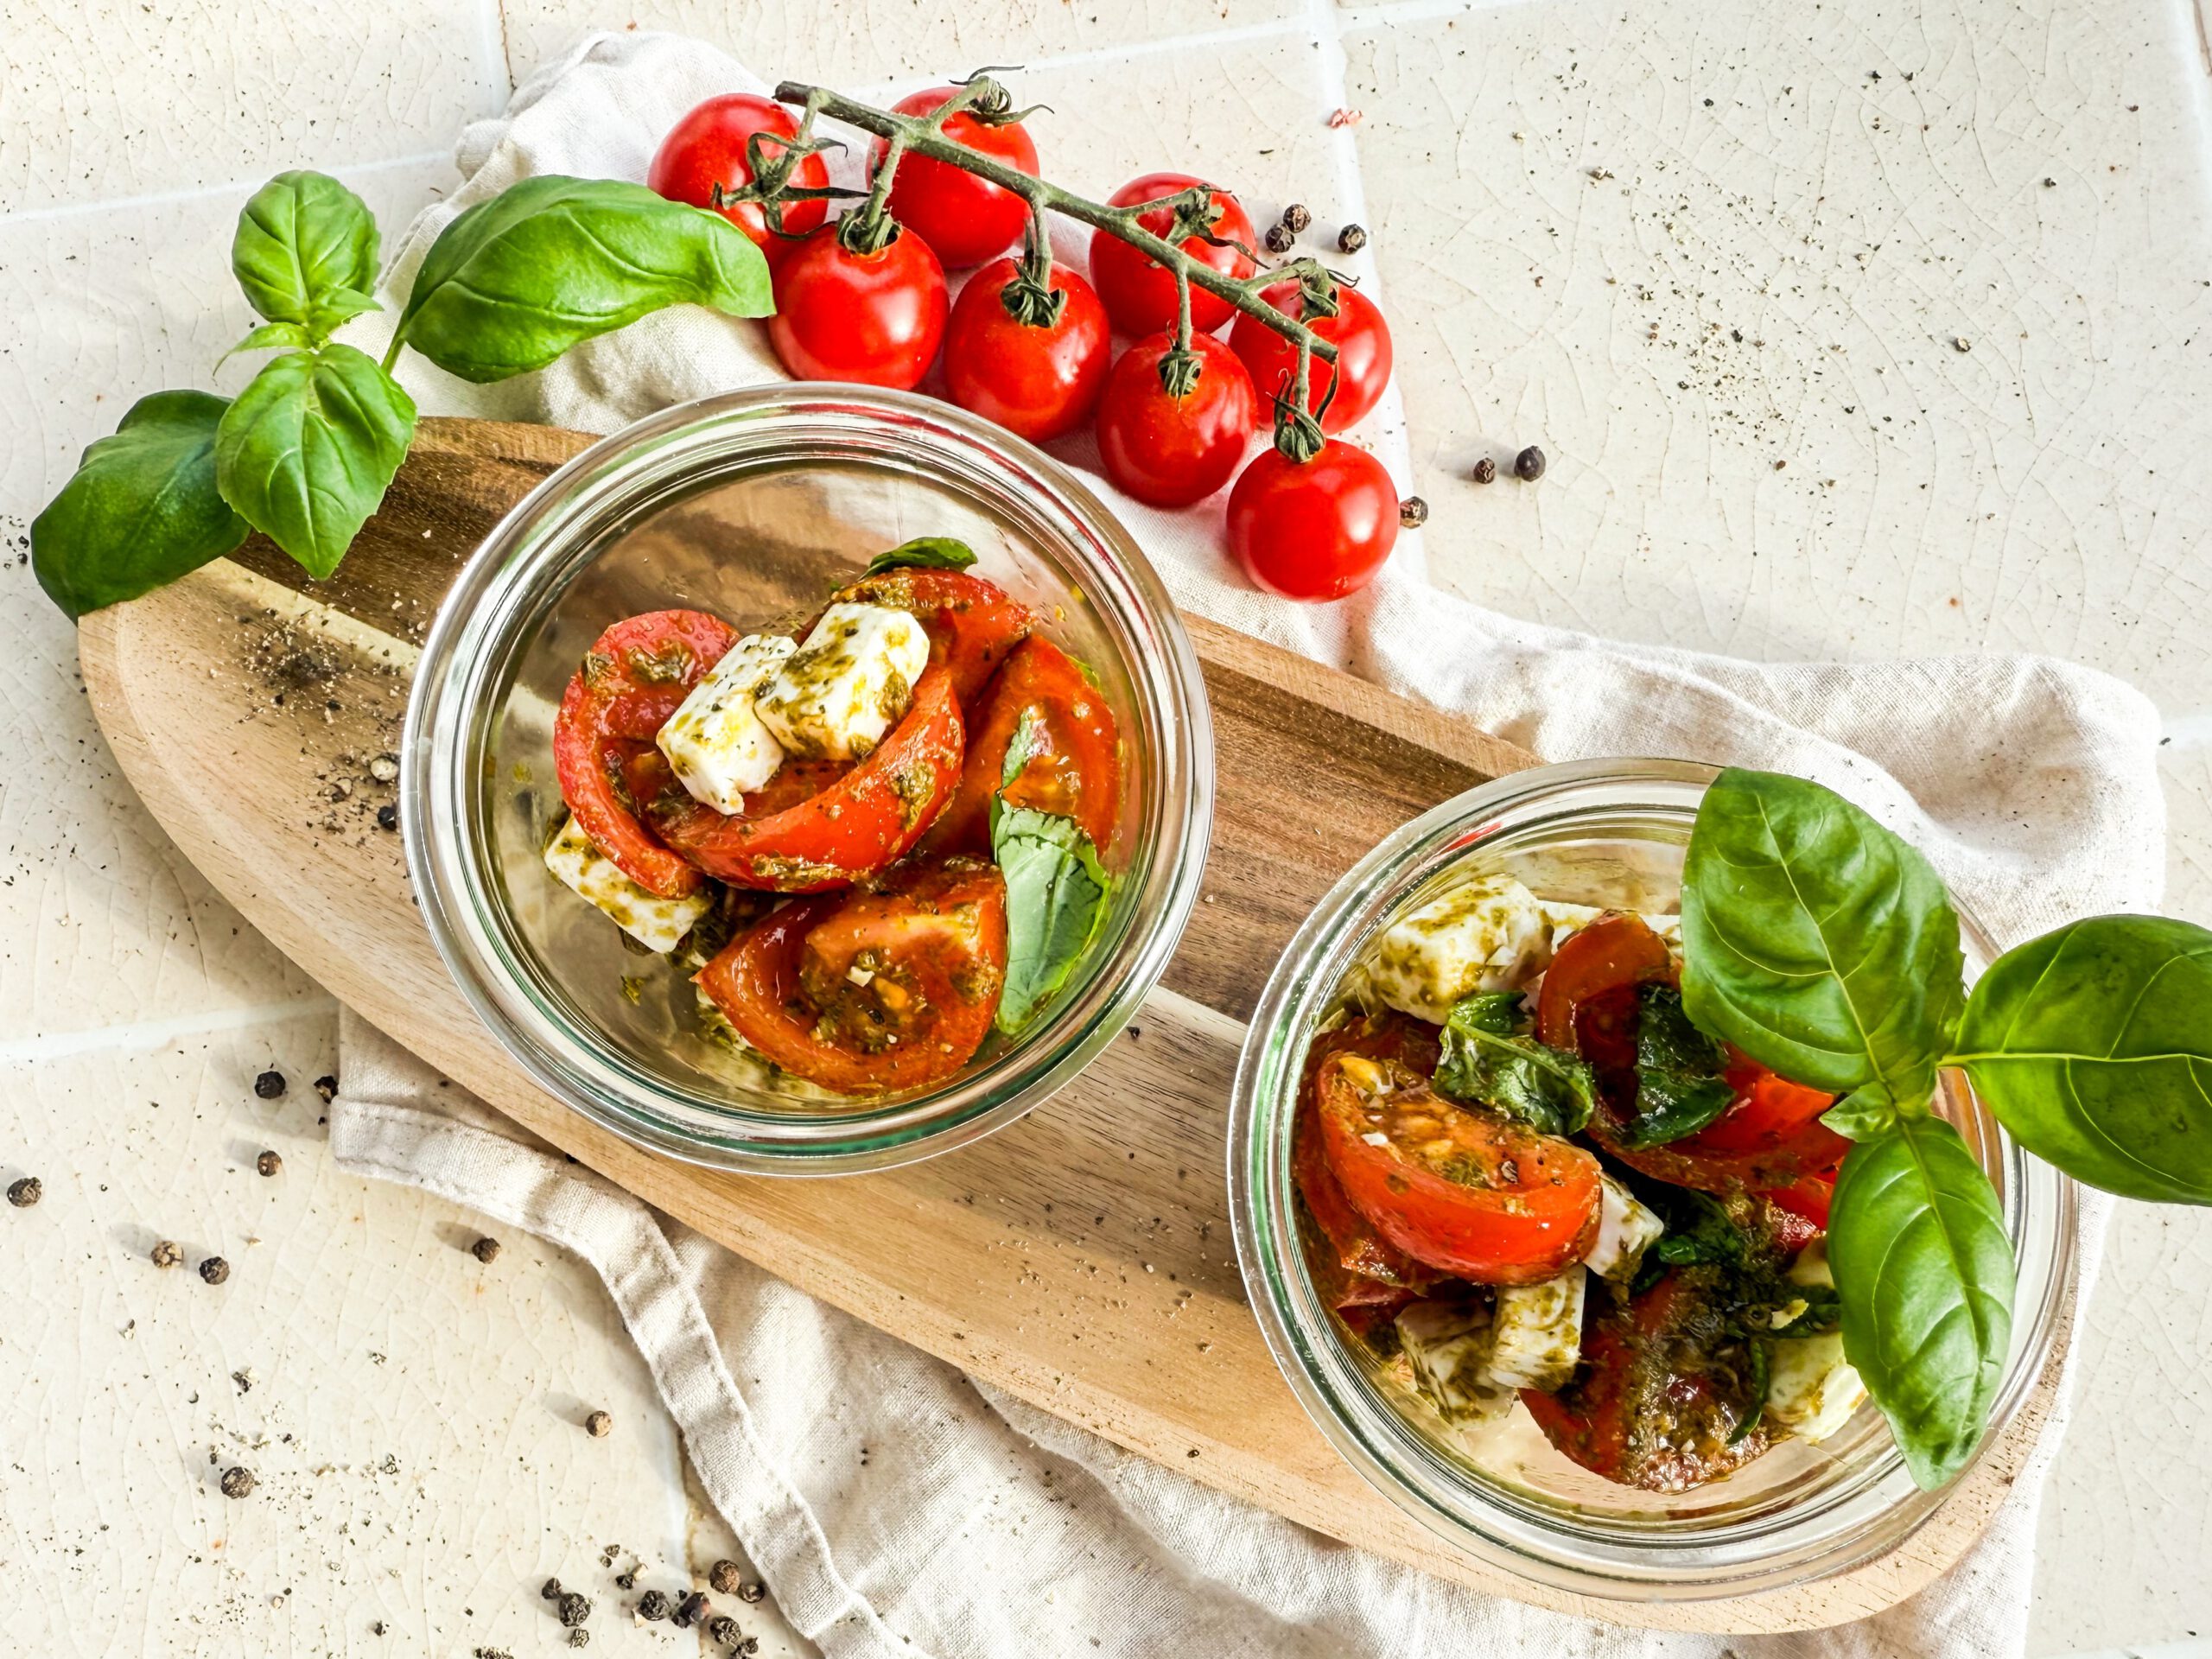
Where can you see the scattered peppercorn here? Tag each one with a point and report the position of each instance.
(214, 1269)
(1412, 512)
(1351, 239)
(688, 1612)
(26, 1192)
(326, 1088)
(1485, 470)
(550, 1590)
(626, 1580)
(167, 1254)
(599, 1425)
(574, 1609)
(723, 1629)
(1295, 218)
(747, 1648)
(653, 1606)
(725, 1575)
(486, 1249)
(269, 1164)
(1961, 343)
(387, 817)
(752, 1591)
(1279, 238)
(238, 1481)
(1529, 464)
(269, 1084)
(580, 1637)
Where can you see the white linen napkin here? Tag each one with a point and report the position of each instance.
(978, 1526)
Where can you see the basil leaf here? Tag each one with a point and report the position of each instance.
(306, 451)
(140, 510)
(923, 553)
(1679, 1088)
(1924, 1272)
(2093, 1045)
(1701, 1231)
(268, 335)
(306, 252)
(1817, 942)
(1483, 1063)
(1861, 1116)
(516, 281)
(1055, 903)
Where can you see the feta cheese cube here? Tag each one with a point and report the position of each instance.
(1625, 1230)
(847, 684)
(1446, 1344)
(1537, 1332)
(1566, 920)
(1487, 936)
(717, 743)
(657, 923)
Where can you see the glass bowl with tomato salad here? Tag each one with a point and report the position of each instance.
(1555, 1342)
(587, 617)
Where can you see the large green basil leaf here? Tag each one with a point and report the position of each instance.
(306, 253)
(2093, 1045)
(1923, 1271)
(1485, 1063)
(308, 448)
(516, 281)
(1816, 941)
(1055, 902)
(140, 510)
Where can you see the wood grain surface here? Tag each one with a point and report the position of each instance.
(1081, 1258)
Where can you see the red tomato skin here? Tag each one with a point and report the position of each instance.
(973, 625)
(1313, 529)
(1169, 451)
(1039, 383)
(708, 147)
(965, 220)
(1355, 1266)
(1362, 369)
(1139, 292)
(1077, 773)
(1618, 949)
(875, 318)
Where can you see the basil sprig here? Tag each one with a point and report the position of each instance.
(1056, 890)
(1486, 1061)
(306, 452)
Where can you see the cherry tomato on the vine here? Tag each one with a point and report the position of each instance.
(1358, 332)
(1038, 380)
(871, 317)
(1139, 291)
(708, 147)
(965, 220)
(1316, 529)
(1171, 451)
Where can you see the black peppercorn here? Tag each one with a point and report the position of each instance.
(387, 817)
(688, 1612)
(653, 1606)
(599, 1425)
(1485, 470)
(723, 1629)
(1295, 218)
(550, 1590)
(580, 1637)
(237, 1481)
(1529, 464)
(574, 1609)
(1412, 512)
(752, 1591)
(626, 1580)
(214, 1269)
(269, 1164)
(269, 1084)
(486, 1249)
(167, 1254)
(724, 1576)
(1351, 239)
(1279, 238)
(26, 1192)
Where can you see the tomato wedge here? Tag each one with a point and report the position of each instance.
(1467, 1192)
(1616, 952)
(879, 989)
(1770, 1139)
(869, 816)
(972, 623)
(1354, 1265)
(632, 679)
(1661, 1390)
(1075, 760)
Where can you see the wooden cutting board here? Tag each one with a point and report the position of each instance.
(1080, 1259)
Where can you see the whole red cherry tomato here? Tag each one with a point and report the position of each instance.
(1316, 529)
(708, 146)
(1139, 291)
(874, 317)
(965, 220)
(1171, 451)
(1358, 332)
(1037, 378)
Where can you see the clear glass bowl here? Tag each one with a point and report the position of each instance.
(754, 505)
(1609, 833)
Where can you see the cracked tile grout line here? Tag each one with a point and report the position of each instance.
(139, 1035)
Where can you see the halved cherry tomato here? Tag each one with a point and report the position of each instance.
(860, 824)
(1358, 332)
(709, 147)
(874, 318)
(1660, 1392)
(1465, 1191)
(1171, 451)
(973, 625)
(883, 988)
(1771, 1138)
(1075, 760)
(1355, 1266)
(965, 219)
(1139, 291)
(1808, 1199)
(1617, 951)
(1316, 529)
(632, 679)
(1039, 380)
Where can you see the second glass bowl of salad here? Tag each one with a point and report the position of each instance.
(1582, 839)
(755, 507)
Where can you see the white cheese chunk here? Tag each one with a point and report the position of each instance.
(1566, 920)
(1487, 936)
(657, 923)
(1625, 1230)
(847, 684)
(1446, 1345)
(717, 743)
(1536, 1335)
(1811, 1389)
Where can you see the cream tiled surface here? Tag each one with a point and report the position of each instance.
(2041, 490)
